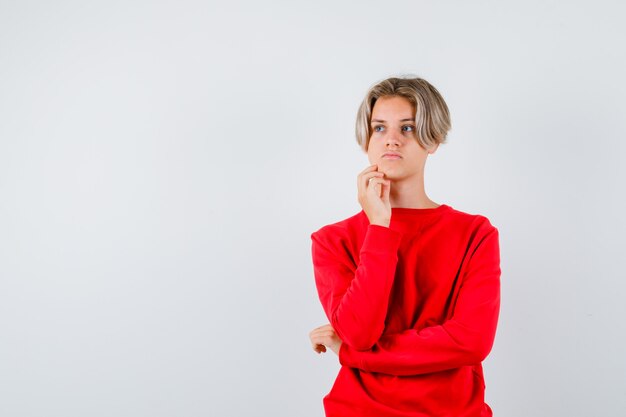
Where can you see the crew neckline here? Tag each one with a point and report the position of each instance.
(419, 211)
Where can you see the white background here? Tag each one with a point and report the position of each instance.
(163, 164)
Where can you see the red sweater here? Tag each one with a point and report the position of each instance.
(416, 305)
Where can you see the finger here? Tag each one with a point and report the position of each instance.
(320, 348)
(373, 179)
(386, 191)
(372, 167)
(322, 337)
(363, 179)
(319, 337)
(317, 329)
(374, 186)
(315, 343)
(327, 339)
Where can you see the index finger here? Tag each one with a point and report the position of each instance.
(368, 169)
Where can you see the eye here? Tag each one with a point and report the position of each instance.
(378, 128)
(408, 128)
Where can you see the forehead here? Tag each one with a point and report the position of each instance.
(390, 108)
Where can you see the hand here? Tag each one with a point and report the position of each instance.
(373, 193)
(325, 336)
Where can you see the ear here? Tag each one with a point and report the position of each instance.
(433, 148)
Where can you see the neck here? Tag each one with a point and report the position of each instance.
(410, 194)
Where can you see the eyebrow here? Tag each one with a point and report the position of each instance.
(402, 120)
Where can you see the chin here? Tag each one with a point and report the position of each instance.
(383, 166)
(391, 175)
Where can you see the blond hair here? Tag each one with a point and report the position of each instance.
(432, 117)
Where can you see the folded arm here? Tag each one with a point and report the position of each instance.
(356, 299)
(465, 339)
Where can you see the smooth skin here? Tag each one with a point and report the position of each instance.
(387, 182)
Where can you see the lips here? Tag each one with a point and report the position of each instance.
(391, 155)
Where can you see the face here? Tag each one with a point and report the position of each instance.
(393, 131)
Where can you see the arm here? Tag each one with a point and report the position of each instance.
(355, 300)
(464, 339)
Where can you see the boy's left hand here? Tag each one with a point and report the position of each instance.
(323, 337)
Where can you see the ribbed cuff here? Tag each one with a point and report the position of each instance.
(343, 354)
(381, 239)
(346, 357)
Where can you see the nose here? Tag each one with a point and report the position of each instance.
(392, 139)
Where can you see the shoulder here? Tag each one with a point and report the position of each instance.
(476, 226)
(339, 230)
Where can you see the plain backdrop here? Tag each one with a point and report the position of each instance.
(163, 164)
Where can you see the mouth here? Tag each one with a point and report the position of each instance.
(389, 156)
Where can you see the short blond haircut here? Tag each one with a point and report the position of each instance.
(432, 117)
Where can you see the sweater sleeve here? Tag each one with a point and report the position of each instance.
(355, 300)
(464, 339)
